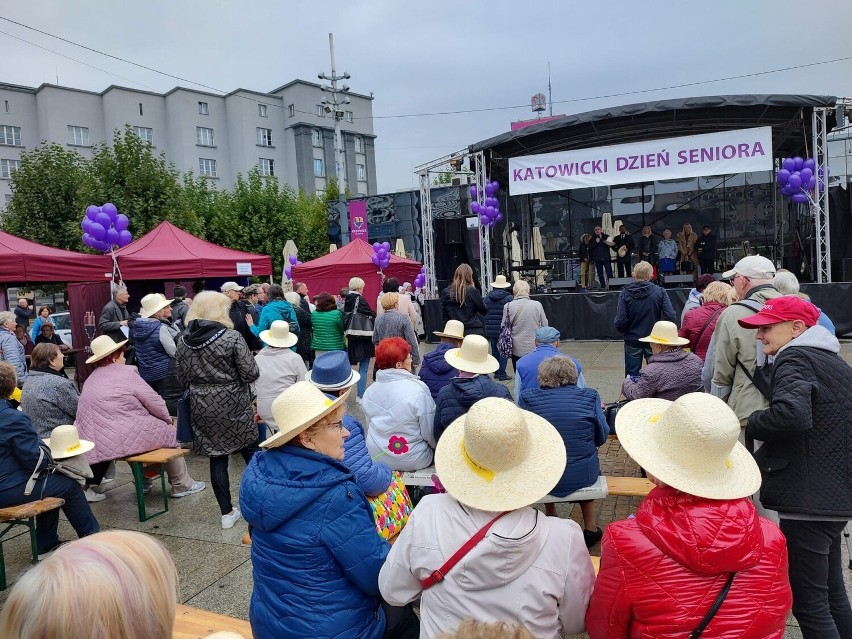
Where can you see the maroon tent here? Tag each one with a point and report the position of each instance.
(25, 261)
(332, 272)
(169, 253)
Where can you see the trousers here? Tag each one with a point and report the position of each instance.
(220, 480)
(633, 353)
(604, 270)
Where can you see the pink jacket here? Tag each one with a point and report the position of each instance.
(122, 414)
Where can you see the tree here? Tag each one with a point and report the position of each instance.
(46, 204)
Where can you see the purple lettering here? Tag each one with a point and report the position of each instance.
(596, 166)
(663, 158)
(550, 171)
(758, 148)
(729, 151)
(567, 169)
(620, 163)
(583, 169)
(743, 150)
(516, 176)
(528, 175)
(681, 157)
(707, 154)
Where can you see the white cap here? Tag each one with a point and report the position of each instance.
(230, 286)
(753, 266)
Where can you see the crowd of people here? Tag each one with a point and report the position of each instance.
(734, 415)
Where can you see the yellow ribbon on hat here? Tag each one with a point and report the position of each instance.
(479, 471)
(74, 447)
(660, 339)
(654, 418)
(329, 402)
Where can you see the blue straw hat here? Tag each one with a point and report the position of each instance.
(332, 372)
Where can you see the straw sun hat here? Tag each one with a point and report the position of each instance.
(498, 457)
(298, 408)
(690, 444)
(500, 282)
(279, 335)
(665, 333)
(102, 346)
(64, 442)
(152, 303)
(472, 356)
(453, 329)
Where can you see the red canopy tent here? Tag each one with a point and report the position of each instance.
(169, 253)
(25, 261)
(332, 272)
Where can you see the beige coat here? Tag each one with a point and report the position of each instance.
(686, 246)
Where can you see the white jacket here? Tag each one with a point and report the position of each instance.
(399, 405)
(279, 368)
(530, 570)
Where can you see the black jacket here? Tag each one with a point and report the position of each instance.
(806, 457)
(626, 241)
(495, 301)
(469, 314)
(599, 249)
(583, 253)
(708, 245)
(647, 245)
(359, 348)
(238, 313)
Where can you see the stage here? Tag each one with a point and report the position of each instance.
(590, 315)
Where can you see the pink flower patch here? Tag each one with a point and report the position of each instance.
(397, 445)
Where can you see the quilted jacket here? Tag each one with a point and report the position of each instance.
(661, 571)
(50, 400)
(122, 414)
(640, 305)
(328, 331)
(578, 416)
(12, 352)
(496, 299)
(470, 314)
(315, 552)
(701, 318)
(806, 458)
(151, 356)
(526, 316)
(456, 398)
(526, 369)
(373, 477)
(395, 324)
(436, 371)
(668, 375)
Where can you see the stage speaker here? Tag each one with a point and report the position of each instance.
(677, 280)
(563, 285)
(846, 269)
(615, 282)
(454, 230)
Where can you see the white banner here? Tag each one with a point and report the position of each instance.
(722, 153)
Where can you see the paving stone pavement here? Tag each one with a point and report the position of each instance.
(215, 568)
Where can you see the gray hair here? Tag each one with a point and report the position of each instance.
(119, 290)
(557, 371)
(6, 316)
(643, 271)
(786, 283)
(293, 297)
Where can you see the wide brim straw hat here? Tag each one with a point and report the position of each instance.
(665, 333)
(498, 457)
(453, 329)
(500, 282)
(690, 444)
(279, 335)
(298, 408)
(472, 356)
(64, 442)
(102, 346)
(152, 303)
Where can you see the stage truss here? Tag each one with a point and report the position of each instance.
(820, 201)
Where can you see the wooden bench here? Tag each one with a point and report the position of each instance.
(23, 515)
(192, 623)
(158, 458)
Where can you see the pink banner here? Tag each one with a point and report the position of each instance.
(357, 219)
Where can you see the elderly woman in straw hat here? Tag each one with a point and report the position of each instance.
(153, 336)
(279, 366)
(497, 298)
(124, 416)
(671, 371)
(436, 371)
(315, 552)
(22, 455)
(697, 539)
(517, 565)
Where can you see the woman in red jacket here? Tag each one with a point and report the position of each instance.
(697, 539)
(698, 323)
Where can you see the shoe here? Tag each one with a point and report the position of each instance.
(197, 487)
(592, 538)
(358, 400)
(92, 496)
(503, 378)
(107, 480)
(228, 521)
(110, 474)
(147, 485)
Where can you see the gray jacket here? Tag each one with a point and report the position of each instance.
(50, 400)
(395, 324)
(526, 316)
(111, 317)
(11, 351)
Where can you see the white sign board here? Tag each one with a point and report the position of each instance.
(671, 158)
(243, 268)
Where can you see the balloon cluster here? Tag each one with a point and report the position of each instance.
(797, 177)
(420, 278)
(489, 208)
(381, 254)
(104, 227)
(294, 261)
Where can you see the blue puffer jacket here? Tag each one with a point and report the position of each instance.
(152, 359)
(577, 414)
(436, 371)
(373, 477)
(456, 398)
(494, 303)
(315, 552)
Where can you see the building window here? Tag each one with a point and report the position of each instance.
(207, 167)
(359, 144)
(266, 166)
(203, 136)
(350, 117)
(318, 193)
(319, 170)
(316, 137)
(291, 109)
(261, 110)
(10, 135)
(140, 109)
(361, 172)
(78, 135)
(7, 105)
(8, 198)
(264, 137)
(203, 109)
(145, 133)
(7, 167)
(320, 111)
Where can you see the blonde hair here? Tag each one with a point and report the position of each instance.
(643, 271)
(462, 278)
(718, 292)
(293, 297)
(115, 584)
(521, 287)
(473, 629)
(211, 306)
(557, 371)
(390, 300)
(356, 284)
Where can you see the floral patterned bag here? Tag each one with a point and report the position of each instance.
(392, 508)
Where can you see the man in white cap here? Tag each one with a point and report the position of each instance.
(239, 313)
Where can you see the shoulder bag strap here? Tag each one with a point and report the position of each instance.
(521, 312)
(712, 317)
(695, 634)
(438, 575)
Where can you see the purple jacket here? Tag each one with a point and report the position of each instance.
(668, 375)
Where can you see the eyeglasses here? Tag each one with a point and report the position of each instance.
(337, 425)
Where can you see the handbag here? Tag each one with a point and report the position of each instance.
(357, 324)
(505, 345)
(695, 634)
(686, 266)
(611, 411)
(392, 508)
(184, 425)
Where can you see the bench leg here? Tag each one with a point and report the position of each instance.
(2, 569)
(165, 488)
(138, 479)
(31, 524)
(550, 510)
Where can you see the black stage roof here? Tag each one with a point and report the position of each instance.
(788, 115)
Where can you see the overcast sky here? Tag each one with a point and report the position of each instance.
(437, 56)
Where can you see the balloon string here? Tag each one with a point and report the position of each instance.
(115, 269)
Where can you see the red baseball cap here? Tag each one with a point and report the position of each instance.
(783, 309)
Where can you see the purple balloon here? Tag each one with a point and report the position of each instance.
(124, 238)
(489, 211)
(386, 246)
(489, 189)
(810, 163)
(811, 183)
(377, 246)
(385, 263)
(799, 162)
(111, 236)
(475, 207)
(795, 180)
(484, 218)
(292, 259)
(97, 231)
(474, 192)
(86, 239)
(789, 164)
(800, 198)
(806, 174)
(110, 210)
(85, 224)
(104, 220)
(92, 212)
(121, 222)
(498, 217)
(782, 177)
(289, 272)
(375, 260)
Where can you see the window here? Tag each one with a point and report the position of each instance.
(7, 167)
(266, 166)
(140, 109)
(261, 110)
(7, 105)
(10, 135)
(146, 134)
(318, 193)
(349, 116)
(359, 144)
(8, 197)
(264, 137)
(291, 110)
(207, 167)
(316, 137)
(203, 108)
(319, 170)
(361, 172)
(78, 135)
(203, 136)
(320, 111)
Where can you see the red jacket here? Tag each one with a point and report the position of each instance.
(694, 321)
(661, 571)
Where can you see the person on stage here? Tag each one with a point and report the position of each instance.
(705, 246)
(587, 268)
(647, 246)
(600, 255)
(624, 246)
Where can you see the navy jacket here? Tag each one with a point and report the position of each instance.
(19, 448)
(494, 303)
(640, 306)
(456, 398)
(315, 552)
(577, 414)
(436, 371)
(151, 358)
